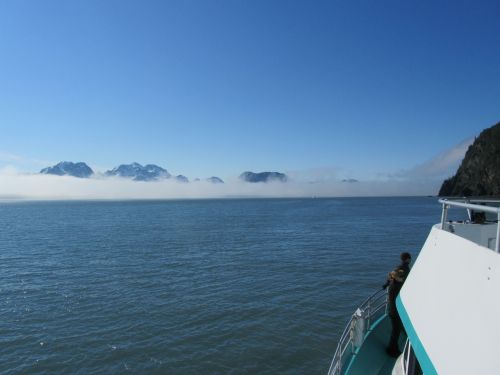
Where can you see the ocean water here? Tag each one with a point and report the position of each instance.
(256, 286)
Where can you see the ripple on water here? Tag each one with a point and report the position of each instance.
(213, 287)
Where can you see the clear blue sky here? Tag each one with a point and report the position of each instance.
(218, 87)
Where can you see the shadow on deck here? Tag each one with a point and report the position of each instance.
(371, 358)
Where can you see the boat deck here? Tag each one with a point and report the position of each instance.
(371, 358)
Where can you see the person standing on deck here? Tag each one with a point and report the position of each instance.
(395, 281)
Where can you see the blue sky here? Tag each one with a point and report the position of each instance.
(219, 87)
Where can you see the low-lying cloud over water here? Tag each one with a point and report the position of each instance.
(33, 186)
(423, 179)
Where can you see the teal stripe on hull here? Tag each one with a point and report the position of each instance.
(422, 356)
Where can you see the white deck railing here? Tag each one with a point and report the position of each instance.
(355, 331)
(472, 205)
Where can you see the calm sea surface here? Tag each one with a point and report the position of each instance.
(259, 286)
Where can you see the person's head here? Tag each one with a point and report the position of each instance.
(406, 257)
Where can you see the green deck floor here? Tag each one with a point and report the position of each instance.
(371, 358)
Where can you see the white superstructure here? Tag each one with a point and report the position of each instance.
(449, 305)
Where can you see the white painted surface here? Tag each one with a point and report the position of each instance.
(452, 297)
(482, 234)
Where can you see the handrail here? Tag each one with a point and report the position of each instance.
(359, 323)
(471, 206)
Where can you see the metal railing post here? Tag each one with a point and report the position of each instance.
(497, 245)
(444, 215)
(387, 303)
(368, 317)
(350, 339)
(339, 362)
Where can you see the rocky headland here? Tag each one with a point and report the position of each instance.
(479, 172)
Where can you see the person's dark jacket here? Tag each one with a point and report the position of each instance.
(395, 283)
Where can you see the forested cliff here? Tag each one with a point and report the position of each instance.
(479, 172)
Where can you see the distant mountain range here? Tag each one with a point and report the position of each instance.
(181, 178)
(137, 172)
(67, 168)
(151, 172)
(263, 177)
(215, 180)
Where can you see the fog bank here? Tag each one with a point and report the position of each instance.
(35, 186)
(422, 179)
